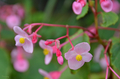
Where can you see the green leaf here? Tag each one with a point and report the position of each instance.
(115, 55)
(7, 34)
(82, 73)
(109, 18)
(5, 66)
(84, 12)
(82, 38)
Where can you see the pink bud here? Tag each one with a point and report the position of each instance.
(60, 60)
(55, 74)
(106, 5)
(21, 65)
(83, 2)
(91, 31)
(77, 7)
(58, 53)
(34, 38)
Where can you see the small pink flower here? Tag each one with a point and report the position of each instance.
(21, 65)
(92, 30)
(48, 51)
(77, 7)
(106, 5)
(34, 38)
(22, 39)
(51, 75)
(13, 20)
(116, 6)
(78, 56)
(60, 60)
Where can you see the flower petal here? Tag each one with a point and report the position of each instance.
(44, 73)
(82, 47)
(86, 57)
(42, 44)
(77, 7)
(28, 45)
(70, 54)
(19, 31)
(48, 58)
(74, 64)
(17, 37)
(107, 5)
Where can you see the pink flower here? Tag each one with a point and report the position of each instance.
(21, 65)
(92, 30)
(78, 56)
(116, 6)
(47, 50)
(13, 20)
(77, 7)
(51, 75)
(22, 39)
(60, 60)
(106, 5)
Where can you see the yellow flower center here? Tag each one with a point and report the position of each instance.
(46, 51)
(78, 57)
(46, 78)
(22, 40)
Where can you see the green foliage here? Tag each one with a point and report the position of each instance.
(82, 73)
(5, 67)
(82, 38)
(109, 18)
(84, 12)
(115, 55)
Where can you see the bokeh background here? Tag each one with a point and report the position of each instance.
(53, 12)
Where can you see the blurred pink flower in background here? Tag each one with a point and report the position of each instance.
(50, 75)
(13, 20)
(78, 56)
(116, 6)
(92, 30)
(106, 5)
(18, 58)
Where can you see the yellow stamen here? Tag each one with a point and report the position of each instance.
(78, 57)
(22, 40)
(46, 51)
(46, 78)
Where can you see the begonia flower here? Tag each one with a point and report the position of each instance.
(13, 20)
(22, 39)
(47, 50)
(106, 5)
(116, 6)
(50, 75)
(78, 56)
(92, 31)
(60, 60)
(21, 65)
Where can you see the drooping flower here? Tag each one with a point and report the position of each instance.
(106, 5)
(78, 56)
(13, 20)
(22, 39)
(50, 75)
(47, 50)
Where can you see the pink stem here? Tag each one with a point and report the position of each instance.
(70, 43)
(61, 37)
(114, 72)
(64, 68)
(25, 27)
(106, 73)
(38, 28)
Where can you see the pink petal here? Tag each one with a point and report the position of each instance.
(60, 60)
(42, 44)
(28, 45)
(82, 47)
(74, 64)
(70, 54)
(21, 65)
(77, 8)
(44, 73)
(17, 37)
(55, 74)
(13, 20)
(86, 57)
(48, 58)
(107, 5)
(19, 31)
